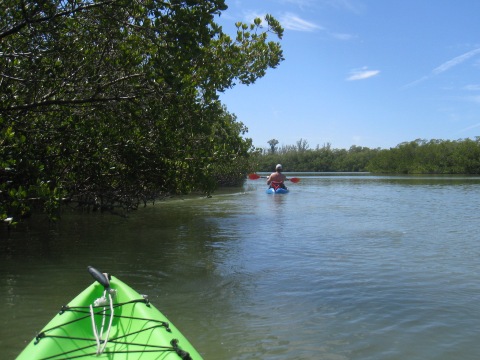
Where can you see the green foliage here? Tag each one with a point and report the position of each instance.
(430, 157)
(273, 145)
(415, 157)
(300, 157)
(110, 104)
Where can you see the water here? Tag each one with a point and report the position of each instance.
(343, 267)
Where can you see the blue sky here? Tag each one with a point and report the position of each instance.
(371, 73)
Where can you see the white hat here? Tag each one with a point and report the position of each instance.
(279, 166)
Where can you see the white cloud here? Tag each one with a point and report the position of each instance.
(252, 15)
(362, 74)
(447, 65)
(455, 61)
(293, 22)
(416, 82)
(288, 21)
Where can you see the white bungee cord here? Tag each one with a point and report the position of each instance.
(98, 335)
(94, 328)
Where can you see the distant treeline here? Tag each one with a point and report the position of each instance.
(414, 157)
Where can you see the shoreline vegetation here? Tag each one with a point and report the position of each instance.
(415, 157)
(109, 105)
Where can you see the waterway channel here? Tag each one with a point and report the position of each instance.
(345, 266)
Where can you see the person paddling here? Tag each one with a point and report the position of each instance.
(276, 180)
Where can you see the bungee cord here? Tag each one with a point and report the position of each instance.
(100, 344)
(84, 342)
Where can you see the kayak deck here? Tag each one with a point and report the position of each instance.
(136, 329)
(278, 191)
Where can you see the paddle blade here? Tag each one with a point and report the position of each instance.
(253, 176)
(295, 180)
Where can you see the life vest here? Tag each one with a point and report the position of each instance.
(276, 185)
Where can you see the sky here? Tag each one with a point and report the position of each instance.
(372, 73)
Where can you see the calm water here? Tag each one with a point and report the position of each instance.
(342, 267)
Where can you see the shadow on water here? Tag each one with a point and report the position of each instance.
(171, 251)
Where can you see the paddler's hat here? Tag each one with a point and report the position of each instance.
(278, 167)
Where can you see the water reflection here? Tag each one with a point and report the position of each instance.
(343, 266)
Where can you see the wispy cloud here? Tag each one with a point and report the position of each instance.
(416, 82)
(289, 21)
(252, 15)
(293, 22)
(362, 74)
(447, 65)
(469, 128)
(455, 61)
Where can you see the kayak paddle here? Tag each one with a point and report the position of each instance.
(256, 177)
